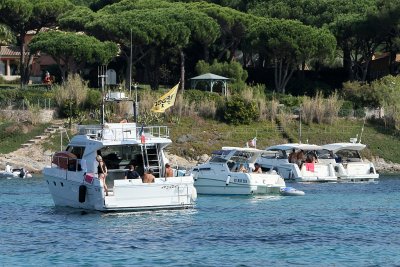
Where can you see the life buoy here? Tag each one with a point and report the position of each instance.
(194, 194)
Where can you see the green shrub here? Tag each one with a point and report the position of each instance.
(359, 113)
(362, 95)
(347, 109)
(197, 96)
(239, 111)
(93, 100)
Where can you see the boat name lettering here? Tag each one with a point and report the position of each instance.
(243, 181)
(169, 186)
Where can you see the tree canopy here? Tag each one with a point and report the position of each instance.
(72, 51)
(287, 44)
(23, 16)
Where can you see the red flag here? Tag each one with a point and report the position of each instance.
(142, 136)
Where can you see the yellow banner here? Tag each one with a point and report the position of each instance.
(166, 101)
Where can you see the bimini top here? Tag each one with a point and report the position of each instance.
(236, 154)
(344, 146)
(295, 146)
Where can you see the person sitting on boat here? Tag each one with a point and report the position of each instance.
(292, 156)
(242, 168)
(102, 172)
(311, 158)
(131, 173)
(300, 158)
(169, 172)
(257, 168)
(148, 177)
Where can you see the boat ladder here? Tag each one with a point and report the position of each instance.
(152, 159)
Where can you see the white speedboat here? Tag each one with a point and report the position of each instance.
(347, 162)
(10, 172)
(277, 158)
(73, 178)
(221, 175)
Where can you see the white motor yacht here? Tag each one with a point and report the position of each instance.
(347, 162)
(230, 171)
(73, 178)
(277, 158)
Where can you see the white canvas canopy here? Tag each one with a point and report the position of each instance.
(211, 80)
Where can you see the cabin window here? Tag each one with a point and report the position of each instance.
(76, 150)
(119, 157)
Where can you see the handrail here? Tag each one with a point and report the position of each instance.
(123, 131)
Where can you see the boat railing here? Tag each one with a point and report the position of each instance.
(123, 131)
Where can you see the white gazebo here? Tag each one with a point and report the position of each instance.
(211, 80)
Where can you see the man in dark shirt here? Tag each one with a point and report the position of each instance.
(131, 173)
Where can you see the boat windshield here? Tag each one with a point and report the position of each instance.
(218, 158)
(349, 155)
(325, 154)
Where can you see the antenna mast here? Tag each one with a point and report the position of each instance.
(102, 76)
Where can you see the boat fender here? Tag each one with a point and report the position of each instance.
(194, 194)
(82, 193)
(228, 179)
(336, 168)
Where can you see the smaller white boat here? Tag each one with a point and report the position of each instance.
(277, 158)
(290, 191)
(232, 171)
(10, 172)
(348, 163)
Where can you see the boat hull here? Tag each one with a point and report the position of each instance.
(238, 184)
(126, 195)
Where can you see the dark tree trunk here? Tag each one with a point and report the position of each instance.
(182, 70)
(347, 63)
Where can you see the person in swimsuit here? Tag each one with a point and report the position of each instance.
(102, 172)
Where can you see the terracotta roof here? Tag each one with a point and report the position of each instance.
(9, 51)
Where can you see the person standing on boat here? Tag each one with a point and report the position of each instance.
(169, 172)
(292, 156)
(102, 172)
(300, 158)
(131, 173)
(148, 177)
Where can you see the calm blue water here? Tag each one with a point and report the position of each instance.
(334, 224)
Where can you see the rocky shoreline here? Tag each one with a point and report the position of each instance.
(34, 159)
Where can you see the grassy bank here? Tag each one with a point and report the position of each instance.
(13, 134)
(193, 137)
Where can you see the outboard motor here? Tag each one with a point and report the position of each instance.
(22, 173)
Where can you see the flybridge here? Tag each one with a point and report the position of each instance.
(123, 132)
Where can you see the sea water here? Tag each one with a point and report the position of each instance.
(332, 225)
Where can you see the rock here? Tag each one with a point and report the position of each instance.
(175, 160)
(203, 158)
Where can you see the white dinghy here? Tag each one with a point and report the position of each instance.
(290, 191)
(230, 171)
(11, 172)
